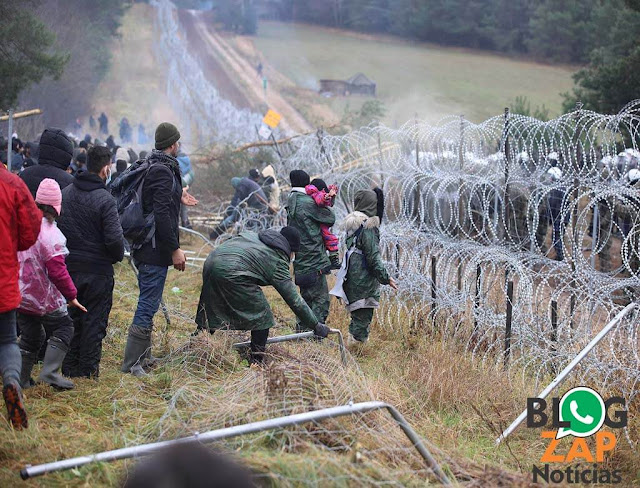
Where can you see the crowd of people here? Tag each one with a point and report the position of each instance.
(66, 223)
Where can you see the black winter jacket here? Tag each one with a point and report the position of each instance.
(34, 175)
(161, 195)
(89, 220)
(54, 156)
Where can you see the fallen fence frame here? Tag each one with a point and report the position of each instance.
(245, 429)
(298, 337)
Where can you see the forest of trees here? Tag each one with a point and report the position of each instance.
(59, 52)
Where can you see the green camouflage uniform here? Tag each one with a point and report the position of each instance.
(366, 271)
(231, 279)
(311, 263)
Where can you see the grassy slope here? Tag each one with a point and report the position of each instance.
(428, 80)
(438, 387)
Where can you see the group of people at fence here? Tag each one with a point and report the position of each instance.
(537, 200)
(63, 234)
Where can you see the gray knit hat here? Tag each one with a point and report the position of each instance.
(166, 135)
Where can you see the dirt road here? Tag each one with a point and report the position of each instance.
(217, 54)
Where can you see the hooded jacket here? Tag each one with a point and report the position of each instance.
(161, 195)
(231, 279)
(307, 217)
(366, 270)
(89, 220)
(54, 156)
(19, 229)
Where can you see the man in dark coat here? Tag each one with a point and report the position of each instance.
(233, 273)
(162, 194)
(89, 220)
(54, 156)
(312, 263)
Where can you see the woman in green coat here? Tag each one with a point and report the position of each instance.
(233, 273)
(363, 270)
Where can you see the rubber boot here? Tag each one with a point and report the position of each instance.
(56, 351)
(28, 360)
(138, 343)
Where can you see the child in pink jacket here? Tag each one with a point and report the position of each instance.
(46, 287)
(324, 196)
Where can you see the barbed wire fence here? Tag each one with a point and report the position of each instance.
(206, 116)
(515, 236)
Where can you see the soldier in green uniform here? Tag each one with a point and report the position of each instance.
(312, 263)
(362, 272)
(233, 273)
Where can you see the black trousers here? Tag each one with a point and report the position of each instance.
(33, 327)
(95, 292)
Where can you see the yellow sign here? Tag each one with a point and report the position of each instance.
(272, 119)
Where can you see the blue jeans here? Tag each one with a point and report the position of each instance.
(151, 281)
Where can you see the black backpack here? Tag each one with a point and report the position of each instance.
(127, 190)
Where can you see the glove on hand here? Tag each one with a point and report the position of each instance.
(321, 330)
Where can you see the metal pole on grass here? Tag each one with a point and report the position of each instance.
(246, 429)
(298, 337)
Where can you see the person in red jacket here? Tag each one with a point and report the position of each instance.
(20, 221)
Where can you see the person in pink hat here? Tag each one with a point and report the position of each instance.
(46, 288)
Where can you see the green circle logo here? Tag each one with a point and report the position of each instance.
(584, 409)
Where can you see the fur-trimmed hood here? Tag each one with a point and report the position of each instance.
(354, 220)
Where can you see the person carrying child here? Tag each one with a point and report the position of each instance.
(325, 196)
(46, 287)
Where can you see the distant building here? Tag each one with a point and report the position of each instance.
(358, 84)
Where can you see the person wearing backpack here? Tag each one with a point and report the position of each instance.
(89, 220)
(158, 246)
(358, 281)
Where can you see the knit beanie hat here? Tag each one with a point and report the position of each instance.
(299, 178)
(366, 201)
(235, 181)
(292, 236)
(49, 194)
(166, 135)
(123, 155)
(254, 174)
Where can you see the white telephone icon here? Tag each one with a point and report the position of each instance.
(587, 420)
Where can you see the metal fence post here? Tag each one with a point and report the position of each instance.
(594, 233)
(554, 324)
(9, 139)
(477, 297)
(433, 287)
(507, 331)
